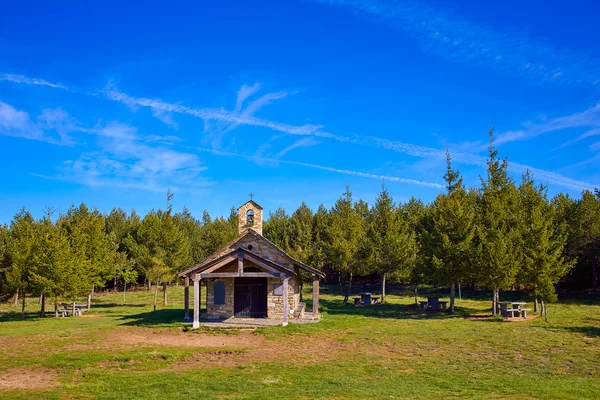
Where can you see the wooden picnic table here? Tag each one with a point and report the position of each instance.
(70, 308)
(515, 309)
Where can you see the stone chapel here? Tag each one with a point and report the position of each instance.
(250, 277)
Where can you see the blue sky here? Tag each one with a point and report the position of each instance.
(112, 104)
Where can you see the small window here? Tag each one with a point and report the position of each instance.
(219, 293)
(250, 247)
(250, 217)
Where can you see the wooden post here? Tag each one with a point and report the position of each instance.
(315, 300)
(186, 299)
(89, 301)
(196, 323)
(286, 306)
(43, 308)
(240, 262)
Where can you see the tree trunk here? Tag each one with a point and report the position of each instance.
(55, 308)
(544, 310)
(416, 295)
(164, 294)
(495, 302)
(452, 298)
(115, 284)
(17, 297)
(73, 307)
(155, 294)
(23, 306)
(383, 287)
(149, 284)
(459, 292)
(43, 307)
(594, 272)
(348, 288)
(535, 305)
(40, 298)
(124, 290)
(89, 302)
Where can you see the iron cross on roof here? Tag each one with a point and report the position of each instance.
(251, 195)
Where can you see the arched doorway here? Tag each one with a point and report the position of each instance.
(250, 297)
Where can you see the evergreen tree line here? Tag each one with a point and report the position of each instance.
(500, 235)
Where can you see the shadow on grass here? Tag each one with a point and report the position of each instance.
(588, 331)
(112, 305)
(172, 316)
(29, 316)
(426, 290)
(388, 310)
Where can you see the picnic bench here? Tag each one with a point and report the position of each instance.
(513, 309)
(365, 299)
(69, 308)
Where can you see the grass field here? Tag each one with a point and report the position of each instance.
(384, 351)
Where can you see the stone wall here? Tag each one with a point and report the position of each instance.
(222, 310)
(243, 225)
(275, 302)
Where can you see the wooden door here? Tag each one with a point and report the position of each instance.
(250, 298)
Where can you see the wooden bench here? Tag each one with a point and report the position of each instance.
(374, 300)
(357, 301)
(423, 304)
(443, 304)
(67, 309)
(524, 312)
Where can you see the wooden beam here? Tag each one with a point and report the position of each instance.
(196, 323)
(261, 275)
(286, 306)
(261, 264)
(243, 275)
(240, 261)
(220, 264)
(186, 299)
(315, 296)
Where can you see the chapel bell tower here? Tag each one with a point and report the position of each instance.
(250, 217)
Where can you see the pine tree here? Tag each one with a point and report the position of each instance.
(301, 241)
(319, 255)
(22, 229)
(392, 246)
(55, 271)
(586, 233)
(278, 229)
(497, 230)
(448, 243)
(346, 237)
(92, 247)
(543, 240)
(5, 256)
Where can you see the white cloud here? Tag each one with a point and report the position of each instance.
(322, 168)
(31, 81)
(127, 160)
(460, 40)
(304, 142)
(52, 125)
(229, 117)
(587, 118)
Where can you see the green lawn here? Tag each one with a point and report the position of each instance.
(383, 351)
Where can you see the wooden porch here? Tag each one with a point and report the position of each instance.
(270, 270)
